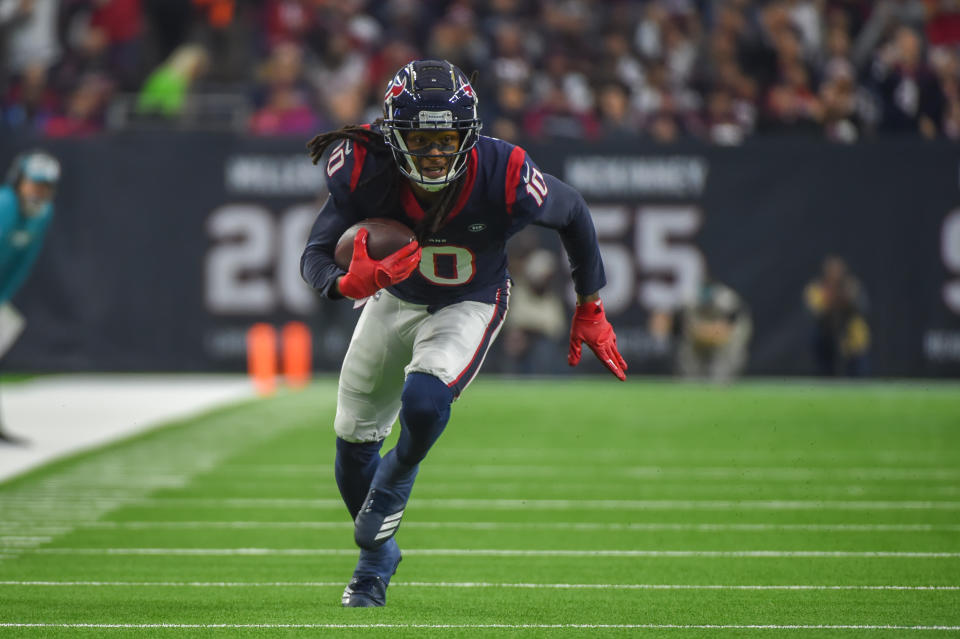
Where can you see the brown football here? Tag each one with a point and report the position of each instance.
(386, 236)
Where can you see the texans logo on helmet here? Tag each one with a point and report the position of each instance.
(396, 87)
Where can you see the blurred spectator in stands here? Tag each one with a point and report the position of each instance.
(456, 38)
(383, 64)
(512, 54)
(841, 116)
(168, 25)
(570, 23)
(664, 127)
(769, 44)
(408, 21)
(835, 58)
(670, 34)
(112, 39)
(29, 102)
(851, 13)
(719, 49)
(536, 327)
(615, 111)
(791, 105)
(563, 105)
(659, 98)
(838, 302)
(285, 104)
(721, 123)
(287, 21)
(561, 73)
(28, 38)
(357, 21)
(227, 31)
(648, 37)
(910, 96)
(84, 110)
(674, 56)
(504, 117)
(619, 60)
(806, 16)
(884, 16)
(943, 23)
(338, 79)
(711, 333)
(680, 49)
(946, 65)
(165, 91)
(743, 92)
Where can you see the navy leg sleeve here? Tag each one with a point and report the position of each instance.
(424, 413)
(354, 469)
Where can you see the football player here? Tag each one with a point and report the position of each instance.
(26, 208)
(434, 307)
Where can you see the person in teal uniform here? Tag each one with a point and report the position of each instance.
(26, 209)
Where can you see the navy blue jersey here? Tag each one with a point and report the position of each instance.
(466, 258)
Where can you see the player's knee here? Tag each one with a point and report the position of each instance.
(425, 400)
(425, 409)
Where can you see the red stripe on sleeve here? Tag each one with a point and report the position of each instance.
(359, 155)
(514, 167)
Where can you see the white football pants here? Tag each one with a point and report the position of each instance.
(394, 338)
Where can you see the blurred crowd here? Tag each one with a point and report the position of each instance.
(664, 70)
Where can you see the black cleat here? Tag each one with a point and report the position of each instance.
(370, 591)
(366, 591)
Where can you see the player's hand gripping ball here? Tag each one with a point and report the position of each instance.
(376, 253)
(386, 236)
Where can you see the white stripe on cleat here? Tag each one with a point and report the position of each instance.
(396, 515)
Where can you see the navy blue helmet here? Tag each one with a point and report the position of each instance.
(433, 95)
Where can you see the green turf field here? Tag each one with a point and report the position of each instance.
(547, 509)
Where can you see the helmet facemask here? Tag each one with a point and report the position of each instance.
(432, 96)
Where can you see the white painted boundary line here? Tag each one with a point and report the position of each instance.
(490, 626)
(494, 552)
(460, 584)
(506, 525)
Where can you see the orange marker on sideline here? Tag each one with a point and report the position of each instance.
(262, 357)
(297, 354)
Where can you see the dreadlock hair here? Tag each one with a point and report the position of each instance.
(435, 215)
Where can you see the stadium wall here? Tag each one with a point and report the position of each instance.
(167, 246)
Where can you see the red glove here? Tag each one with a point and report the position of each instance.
(366, 275)
(590, 325)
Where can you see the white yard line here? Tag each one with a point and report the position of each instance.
(40, 528)
(500, 552)
(665, 474)
(685, 456)
(454, 626)
(42, 503)
(64, 414)
(462, 584)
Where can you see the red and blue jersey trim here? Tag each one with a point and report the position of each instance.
(514, 169)
(493, 327)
